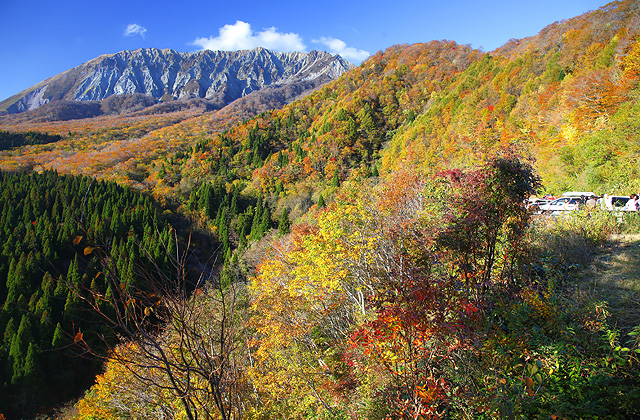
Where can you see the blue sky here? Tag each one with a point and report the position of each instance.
(39, 39)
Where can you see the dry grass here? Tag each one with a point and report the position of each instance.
(614, 277)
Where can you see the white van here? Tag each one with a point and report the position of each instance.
(613, 202)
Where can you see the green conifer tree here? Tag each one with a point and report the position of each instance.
(284, 226)
(335, 181)
(191, 205)
(233, 209)
(321, 203)
(58, 341)
(257, 219)
(33, 378)
(10, 331)
(19, 347)
(265, 223)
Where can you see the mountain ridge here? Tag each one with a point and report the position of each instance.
(219, 77)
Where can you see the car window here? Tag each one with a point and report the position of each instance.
(619, 201)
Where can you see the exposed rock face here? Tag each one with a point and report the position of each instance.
(217, 76)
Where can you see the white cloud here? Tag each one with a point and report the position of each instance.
(240, 36)
(135, 29)
(337, 46)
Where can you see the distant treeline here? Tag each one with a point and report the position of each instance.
(9, 140)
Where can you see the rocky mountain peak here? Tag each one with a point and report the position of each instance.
(216, 76)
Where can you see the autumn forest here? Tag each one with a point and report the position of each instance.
(363, 252)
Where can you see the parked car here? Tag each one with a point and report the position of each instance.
(614, 202)
(559, 206)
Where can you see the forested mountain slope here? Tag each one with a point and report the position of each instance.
(567, 95)
(404, 278)
(48, 230)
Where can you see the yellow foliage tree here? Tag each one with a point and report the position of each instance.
(118, 394)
